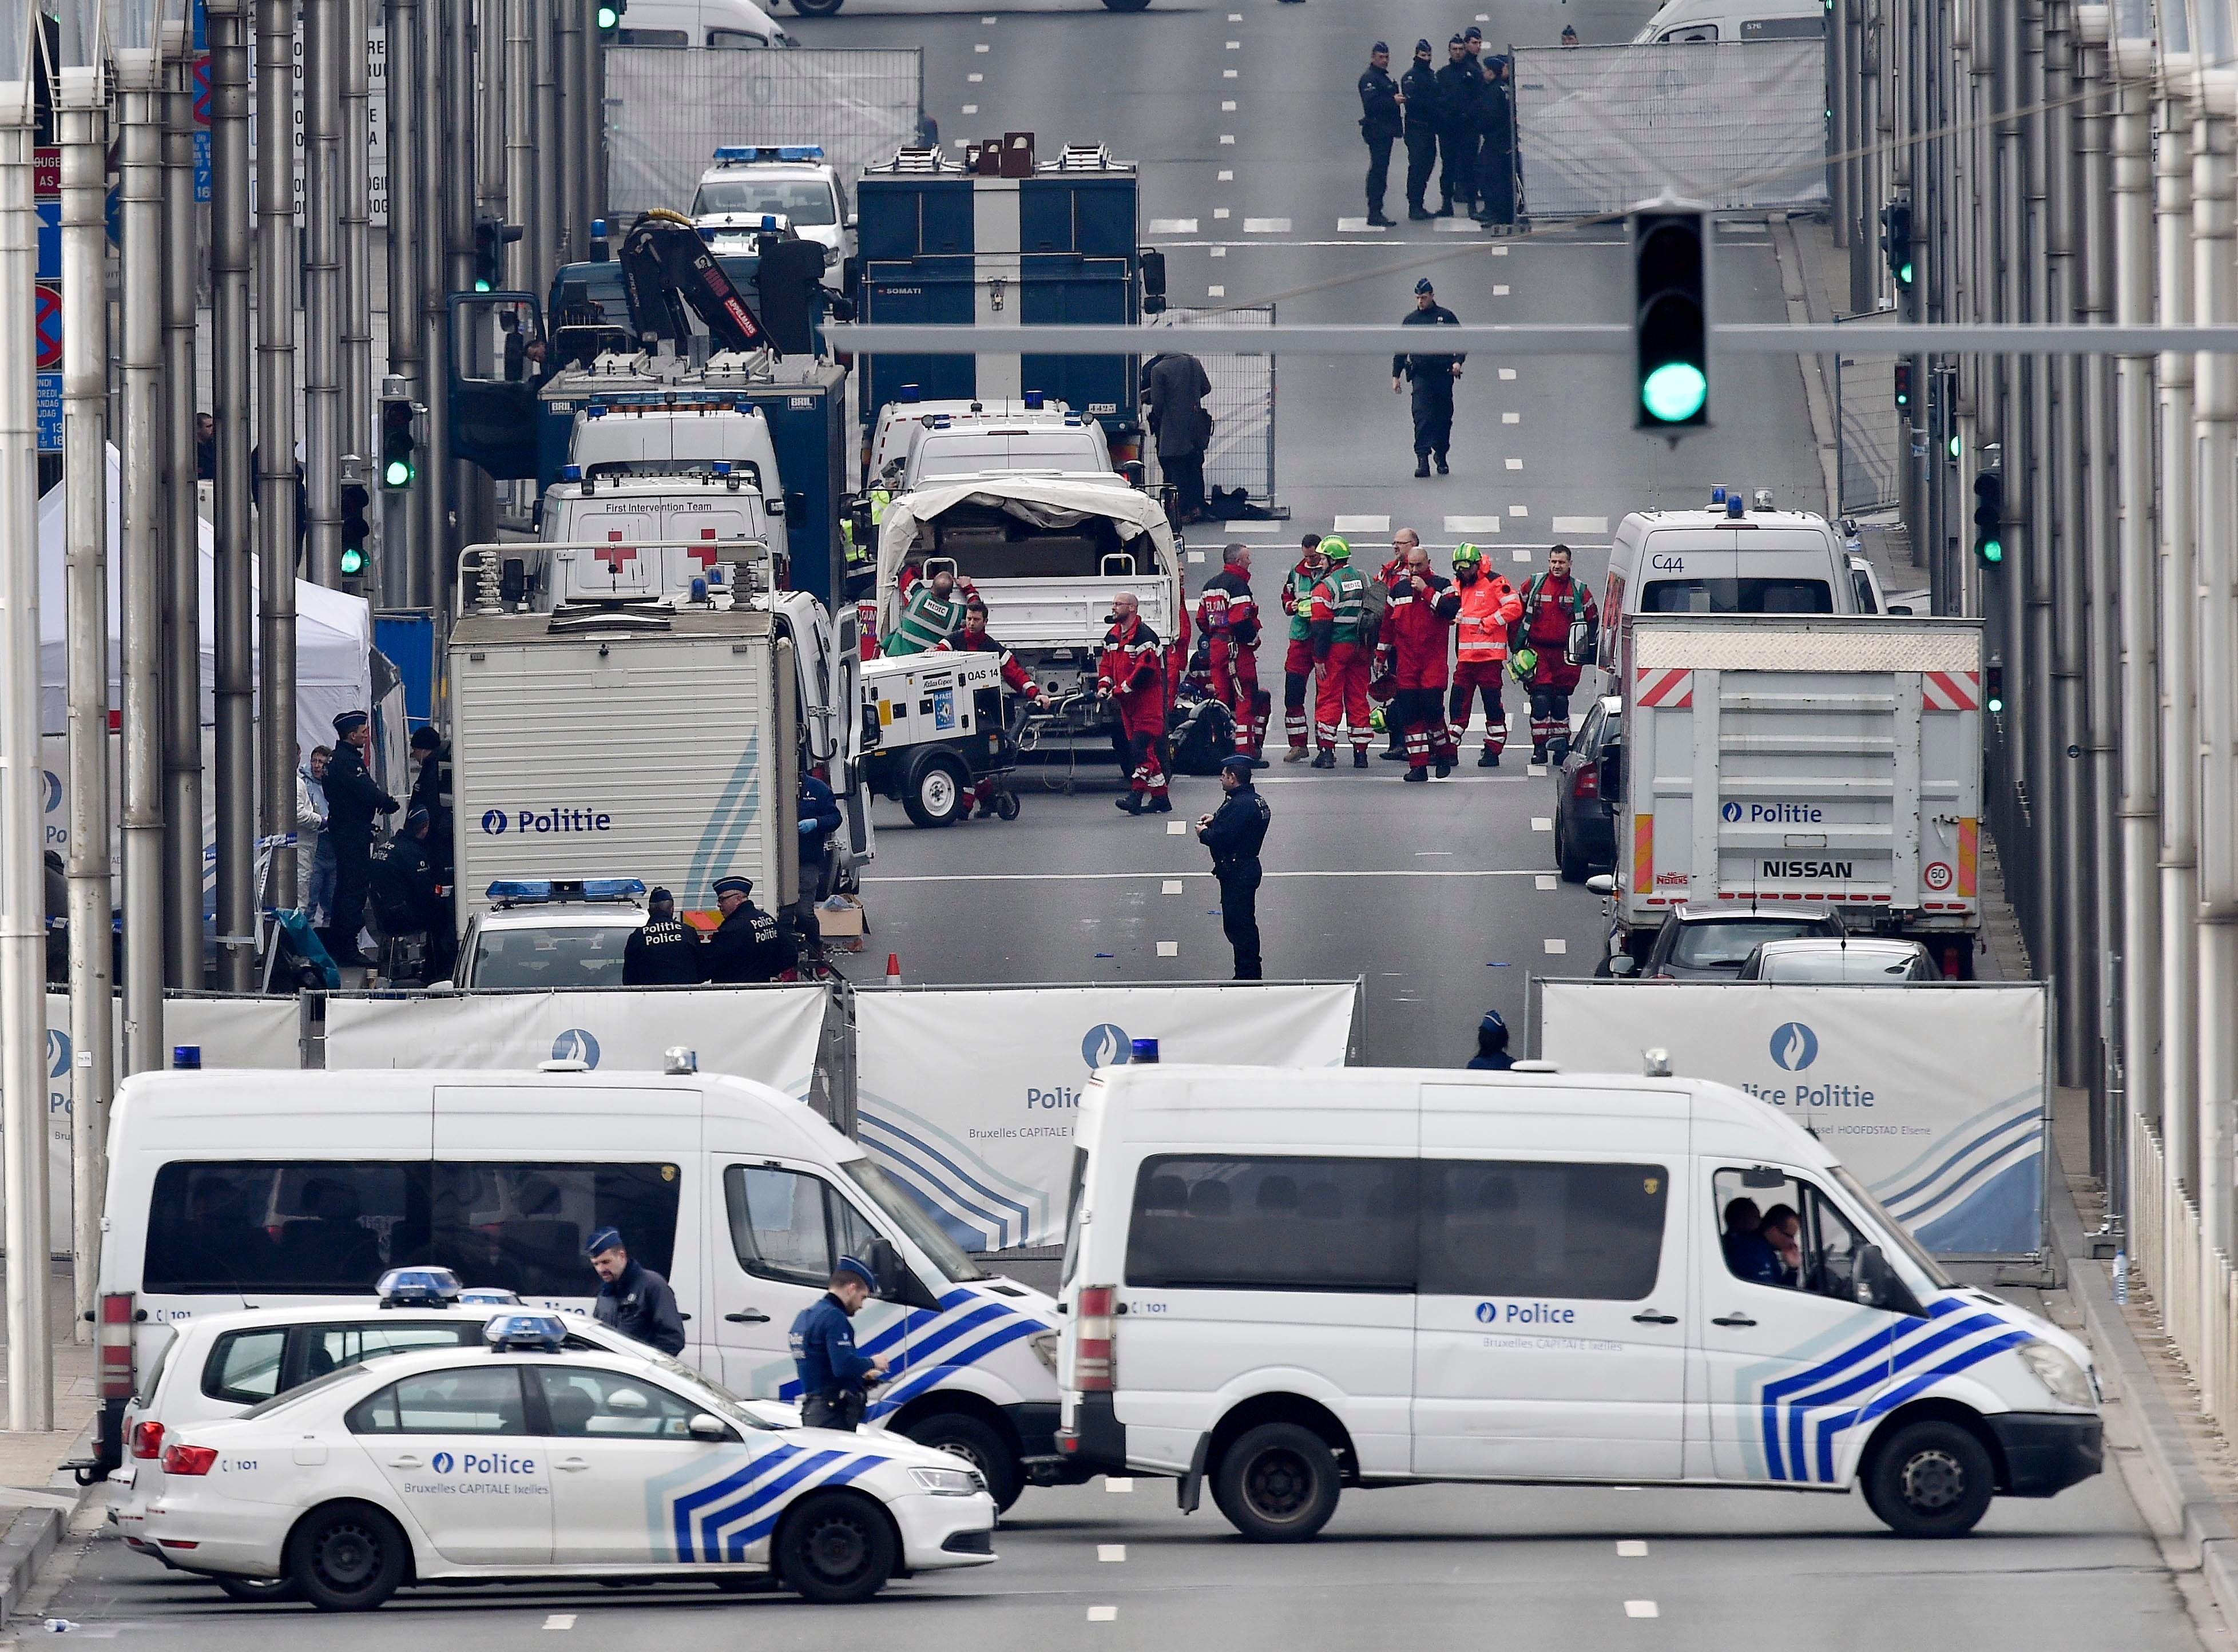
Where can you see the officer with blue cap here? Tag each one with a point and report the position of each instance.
(1492, 1055)
(836, 1376)
(633, 1298)
(750, 946)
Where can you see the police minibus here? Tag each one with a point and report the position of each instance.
(1280, 1284)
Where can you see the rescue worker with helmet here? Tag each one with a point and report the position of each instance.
(1334, 615)
(1131, 674)
(931, 612)
(1228, 614)
(1553, 602)
(1412, 650)
(1298, 663)
(974, 639)
(1489, 607)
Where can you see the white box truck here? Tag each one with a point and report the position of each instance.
(1770, 761)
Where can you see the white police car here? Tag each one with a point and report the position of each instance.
(556, 932)
(754, 189)
(529, 1460)
(214, 1368)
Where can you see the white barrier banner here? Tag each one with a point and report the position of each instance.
(967, 1096)
(1934, 1098)
(768, 1033)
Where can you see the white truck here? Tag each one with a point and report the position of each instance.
(1772, 759)
(627, 439)
(653, 734)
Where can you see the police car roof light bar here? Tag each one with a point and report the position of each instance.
(422, 1287)
(518, 891)
(545, 1333)
(739, 154)
(488, 1296)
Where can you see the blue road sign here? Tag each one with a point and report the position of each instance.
(201, 167)
(50, 412)
(50, 240)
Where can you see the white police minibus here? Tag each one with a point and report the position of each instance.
(233, 1190)
(1283, 1283)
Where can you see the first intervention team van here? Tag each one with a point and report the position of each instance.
(1282, 1284)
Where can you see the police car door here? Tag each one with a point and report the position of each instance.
(624, 1461)
(1791, 1361)
(1550, 1339)
(455, 1444)
(787, 1225)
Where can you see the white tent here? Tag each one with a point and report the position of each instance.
(333, 633)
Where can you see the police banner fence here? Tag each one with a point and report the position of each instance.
(666, 111)
(1735, 125)
(768, 1033)
(1935, 1097)
(967, 1096)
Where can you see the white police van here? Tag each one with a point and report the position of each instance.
(528, 1459)
(1284, 1282)
(231, 1190)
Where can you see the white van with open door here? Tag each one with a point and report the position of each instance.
(1282, 1283)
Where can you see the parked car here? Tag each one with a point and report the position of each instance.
(1870, 960)
(1585, 794)
(1713, 945)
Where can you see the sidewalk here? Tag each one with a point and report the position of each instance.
(37, 1497)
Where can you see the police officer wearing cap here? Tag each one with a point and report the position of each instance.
(1380, 125)
(353, 798)
(1418, 91)
(835, 1375)
(1234, 833)
(1492, 1055)
(633, 1298)
(1432, 377)
(1460, 83)
(665, 951)
(751, 945)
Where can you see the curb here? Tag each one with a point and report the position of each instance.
(35, 1533)
(2203, 1528)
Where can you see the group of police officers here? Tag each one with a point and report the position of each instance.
(1464, 110)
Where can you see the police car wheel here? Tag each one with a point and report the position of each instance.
(977, 1445)
(1277, 1484)
(346, 1558)
(1931, 1479)
(261, 1591)
(935, 794)
(817, 7)
(834, 1549)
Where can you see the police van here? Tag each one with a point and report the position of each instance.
(231, 1190)
(1284, 1282)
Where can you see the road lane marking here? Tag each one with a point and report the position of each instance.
(1361, 525)
(1265, 226)
(1556, 948)
(1517, 465)
(1581, 525)
(1219, 252)
(1235, 45)
(1171, 886)
(1228, 106)
(1507, 373)
(1175, 828)
(1173, 226)
(1459, 227)
(1110, 1613)
(1519, 510)
(1170, 948)
(975, 79)
(1227, 74)
(1118, 1484)
(1118, 877)
(1511, 419)
(1215, 291)
(1547, 879)
(1228, 137)
(1219, 212)
(983, 46)
(1640, 1608)
(1499, 291)
(1223, 177)
(1472, 525)
(1630, 1547)
(1539, 770)
(971, 109)
(1118, 1551)
(1425, 853)
(1359, 227)
(1542, 823)
(560, 1621)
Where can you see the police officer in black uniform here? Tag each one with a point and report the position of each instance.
(1496, 160)
(751, 945)
(665, 951)
(1432, 377)
(1460, 83)
(432, 792)
(353, 799)
(1379, 124)
(835, 1375)
(1418, 91)
(1234, 834)
(633, 1298)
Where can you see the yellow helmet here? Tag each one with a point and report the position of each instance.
(1335, 549)
(1466, 556)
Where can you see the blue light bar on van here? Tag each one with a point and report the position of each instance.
(517, 891)
(596, 410)
(417, 1288)
(722, 467)
(571, 472)
(1034, 398)
(543, 1333)
(487, 1296)
(730, 154)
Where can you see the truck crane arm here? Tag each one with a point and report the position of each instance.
(666, 266)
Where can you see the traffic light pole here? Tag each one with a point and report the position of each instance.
(231, 605)
(400, 528)
(182, 709)
(276, 304)
(323, 441)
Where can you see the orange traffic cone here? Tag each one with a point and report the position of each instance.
(893, 969)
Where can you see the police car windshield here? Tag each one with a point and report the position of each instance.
(1911, 1247)
(1736, 596)
(907, 1214)
(802, 201)
(553, 957)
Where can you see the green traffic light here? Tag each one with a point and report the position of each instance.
(1675, 391)
(398, 472)
(353, 559)
(1992, 552)
(481, 285)
(608, 17)
(1996, 704)
(1904, 275)
(1954, 447)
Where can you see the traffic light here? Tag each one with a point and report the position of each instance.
(609, 19)
(399, 446)
(1989, 518)
(1896, 241)
(1994, 680)
(1671, 327)
(355, 529)
(491, 237)
(1903, 385)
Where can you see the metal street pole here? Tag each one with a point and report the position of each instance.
(357, 234)
(233, 580)
(520, 105)
(182, 706)
(276, 303)
(23, 789)
(401, 543)
(575, 138)
(142, 586)
(82, 123)
(433, 488)
(548, 179)
(462, 483)
(324, 443)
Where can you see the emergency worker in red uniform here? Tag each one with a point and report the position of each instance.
(1228, 614)
(1341, 657)
(1130, 673)
(1416, 633)
(1553, 602)
(974, 639)
(1298, 663)
(1489, 607)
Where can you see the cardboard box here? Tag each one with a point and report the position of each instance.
(845, 925)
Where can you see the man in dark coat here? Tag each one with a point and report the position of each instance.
(1175, 386)
(1233, 835)
(1379, 126)
(633, 1298)
(665, 951)
(353, 798)
(1460, 83)
(1432, 377)
(1496, 160)
(751, 945)
(1418, 91)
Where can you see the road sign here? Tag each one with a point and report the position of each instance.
(50, 412)
(46, 173)
(48, 326)
(50, 240)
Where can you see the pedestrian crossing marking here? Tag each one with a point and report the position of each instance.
(1500, 252)
(1265, 226)
(1235, 45)
(1245, 530)
(1170, 948)
(1361, 525)
(1519, 510)
(1196, 556)
(1227, 74)
(974, 79)
(1173, 226)
(1637, 1609)
(1539, 771)
(1224, 177)
(1581, 525)
(1219, 252)
(1219, 212)
(1359, 227)
(1472, 525)
(983, 46)
(1228, 137)
(1227, 107)
(1632, 1547)
(971, 109)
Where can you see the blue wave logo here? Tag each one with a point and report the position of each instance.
(1794, 1046)
(443, 1462)
(58, 1052)
(1105, 1046)
(1487, 1312)
(1731, 811)
(53, 788)
(494, 822)
(576, 1045)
